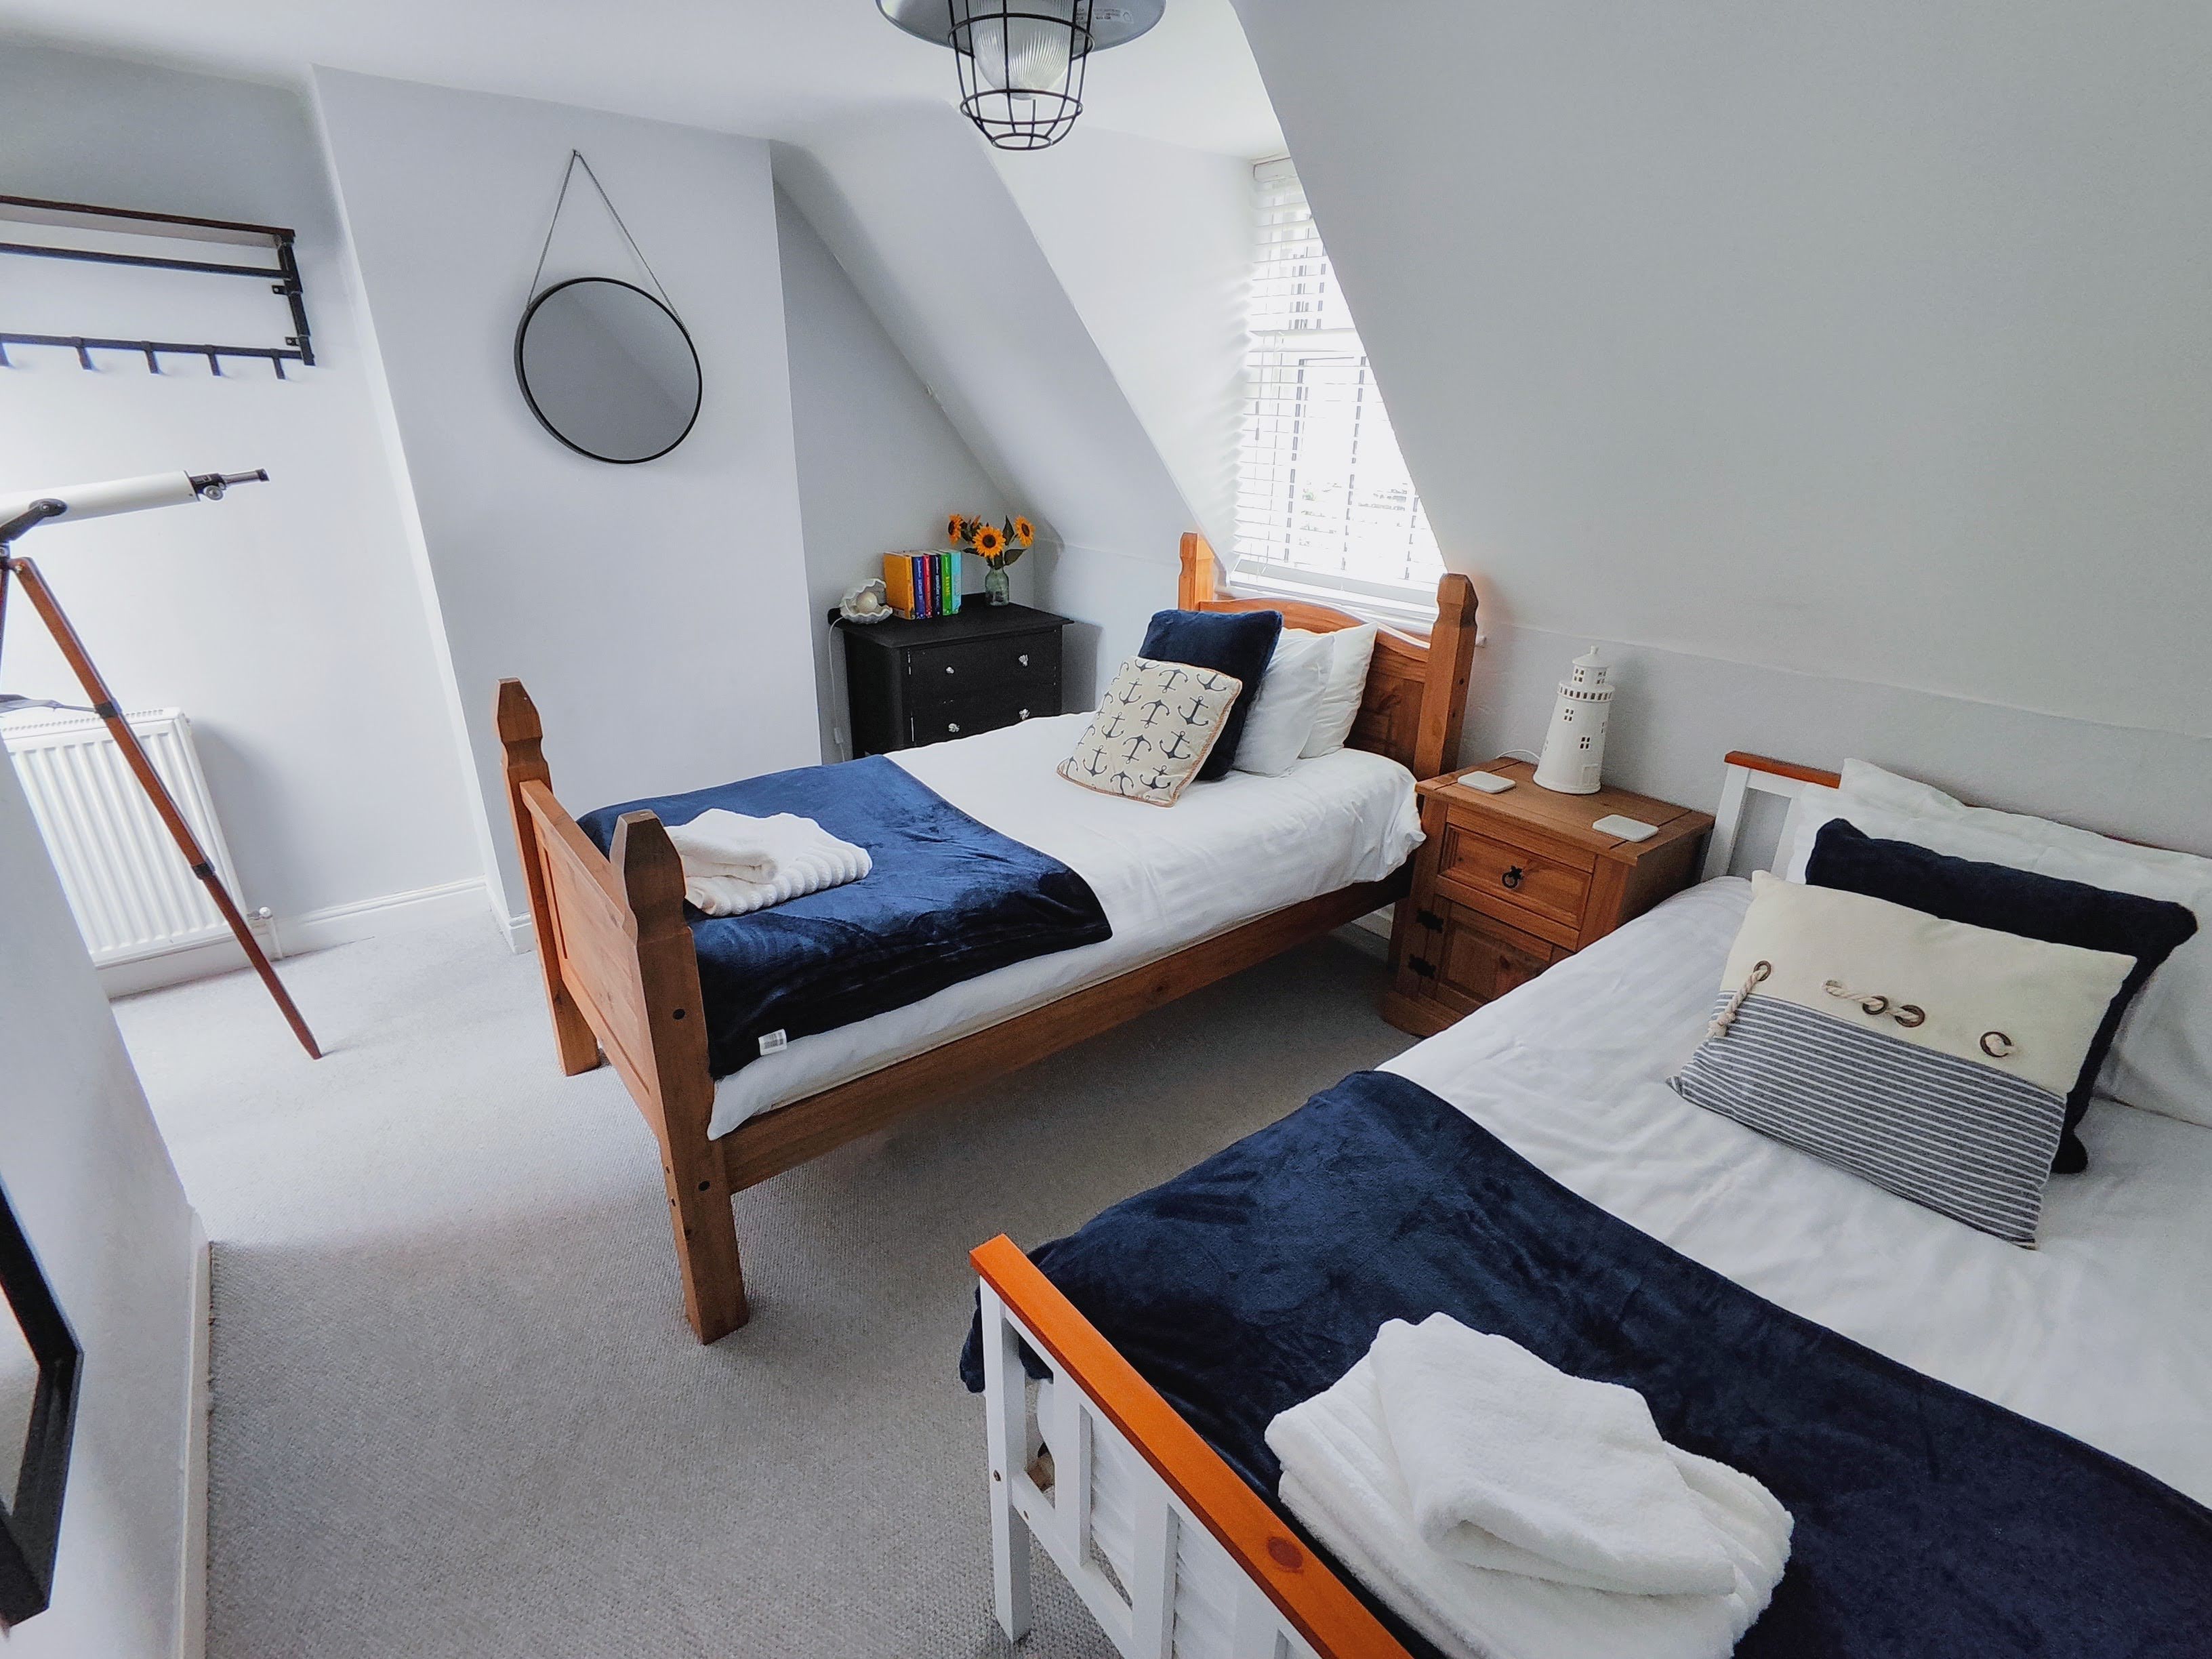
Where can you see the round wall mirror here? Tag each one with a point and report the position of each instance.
(607, 369)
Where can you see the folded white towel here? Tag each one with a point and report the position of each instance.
(1522, 1466)
(1360, 1488)
(733, 864)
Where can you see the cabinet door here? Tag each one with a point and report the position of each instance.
(1478, 959)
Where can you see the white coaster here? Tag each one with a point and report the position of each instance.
(1488, 782)
(1627, 828)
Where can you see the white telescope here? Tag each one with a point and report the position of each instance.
(99, 500)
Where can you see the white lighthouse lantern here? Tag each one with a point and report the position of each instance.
(1574, 747)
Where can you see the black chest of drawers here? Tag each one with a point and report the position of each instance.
(912, 683)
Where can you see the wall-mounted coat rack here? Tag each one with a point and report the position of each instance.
(282, 276)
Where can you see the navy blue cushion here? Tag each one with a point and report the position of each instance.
(2018, 902)
(1238, 643)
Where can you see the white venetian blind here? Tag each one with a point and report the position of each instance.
(1324, 498)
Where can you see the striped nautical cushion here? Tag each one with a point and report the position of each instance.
(1941, 1132)
(1928, 1057)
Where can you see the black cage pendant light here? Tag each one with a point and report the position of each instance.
(1022, 62)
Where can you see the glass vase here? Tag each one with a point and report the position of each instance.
(998, 586)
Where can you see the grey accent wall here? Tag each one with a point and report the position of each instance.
(286, 621)
(879, 464)
(657, 612)
(93, 1187)
(1677, 713)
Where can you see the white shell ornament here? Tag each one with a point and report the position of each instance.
(868, 603)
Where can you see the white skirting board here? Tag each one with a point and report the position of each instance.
(191, 1572)
(315, 929)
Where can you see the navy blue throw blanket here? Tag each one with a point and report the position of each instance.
(949, 899)
(1928, 1521)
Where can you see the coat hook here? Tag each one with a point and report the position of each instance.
(153, 362)
(215, 364)
(83, 357)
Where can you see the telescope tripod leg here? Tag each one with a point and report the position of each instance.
(81, 663)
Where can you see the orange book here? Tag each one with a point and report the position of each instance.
(898, 582)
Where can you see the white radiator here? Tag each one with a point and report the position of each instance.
(134, 895)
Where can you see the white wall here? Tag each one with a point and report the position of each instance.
(93, 1187)
(910, 203)
(657, 612)
(1152, 243)
(1870, 343)
(285, 621)
(879, 464)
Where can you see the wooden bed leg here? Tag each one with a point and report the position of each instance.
(520, 736)
(1195, 586)
(698, 1179)
(1443, 700)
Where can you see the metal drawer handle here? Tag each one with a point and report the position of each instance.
(1513, 877)
(1024, 659)
(950, 668)
(952, 725)
(1025, 714)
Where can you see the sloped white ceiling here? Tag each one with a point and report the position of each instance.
(1872, 341)
(764, 68)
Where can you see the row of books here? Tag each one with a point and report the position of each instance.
(923, 584)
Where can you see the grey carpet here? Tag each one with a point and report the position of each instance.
(457, 1408)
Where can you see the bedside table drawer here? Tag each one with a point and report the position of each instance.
(941, 719)
(1019, 662)
(1515, 883)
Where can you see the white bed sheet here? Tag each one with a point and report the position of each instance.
(2104, 1331)
(1167, 876)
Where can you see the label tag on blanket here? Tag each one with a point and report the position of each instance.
(775, 1043)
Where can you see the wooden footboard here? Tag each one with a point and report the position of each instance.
(1104, 1419)
(621, 979)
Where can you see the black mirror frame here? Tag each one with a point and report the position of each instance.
(698, 372)
(30, 1526)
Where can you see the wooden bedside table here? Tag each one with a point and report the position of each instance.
(1505, 886)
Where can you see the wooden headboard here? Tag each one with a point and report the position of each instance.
(1416, 693)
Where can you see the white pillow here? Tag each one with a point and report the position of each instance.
(1281, 717)
(1350, 651)
(1154, 728)
(2161, 1059)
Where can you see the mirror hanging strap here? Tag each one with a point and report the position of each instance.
(576, 160)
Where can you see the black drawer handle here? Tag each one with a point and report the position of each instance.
(1513, 877)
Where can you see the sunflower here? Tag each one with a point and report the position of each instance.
(1024, 532)
(989, 541)
(957, 530)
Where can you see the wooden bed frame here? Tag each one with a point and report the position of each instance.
(1286, 1601)
(621, 982)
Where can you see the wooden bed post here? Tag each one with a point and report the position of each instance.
(652, 875)
(1195, 586)
(1443, 699)
(520, 735)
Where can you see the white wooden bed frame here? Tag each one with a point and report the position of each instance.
(1205, 1570)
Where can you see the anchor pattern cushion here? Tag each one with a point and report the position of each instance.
(1155, 726)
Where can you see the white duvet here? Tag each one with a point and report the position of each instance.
(2103, 1331)
(1167, 876)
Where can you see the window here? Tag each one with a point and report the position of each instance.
(1323, 499)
